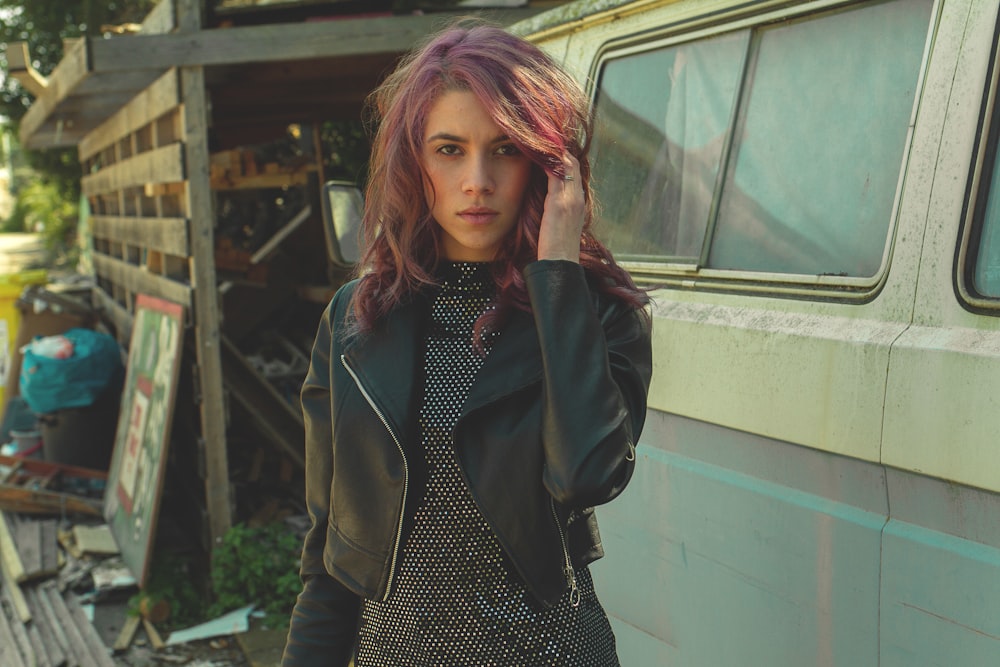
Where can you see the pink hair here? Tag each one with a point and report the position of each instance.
(543, 111)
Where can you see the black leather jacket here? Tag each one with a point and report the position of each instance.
(548, 428)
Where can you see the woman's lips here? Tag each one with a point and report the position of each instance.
(478, 216)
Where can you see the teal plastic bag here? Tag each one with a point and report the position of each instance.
(68, 371)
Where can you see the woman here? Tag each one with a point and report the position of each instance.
(478, 389)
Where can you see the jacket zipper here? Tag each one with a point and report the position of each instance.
(406, 473)
(574, 591)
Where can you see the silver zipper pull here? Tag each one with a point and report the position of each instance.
(631, 451)
(574, 590)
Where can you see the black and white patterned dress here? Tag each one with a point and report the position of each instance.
(455, 600)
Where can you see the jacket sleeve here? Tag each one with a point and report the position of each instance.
(601, 362)
(323, 626)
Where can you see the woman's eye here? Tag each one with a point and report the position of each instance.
(508, 149)
(448, 149)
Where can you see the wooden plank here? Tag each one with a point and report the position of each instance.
(159, 165)
(37, 501)
(160, 19)
(139, 281)
(19, 67)
(113, 312)
(50, 629)
(98, 650)
(15, 595)
(206, 303)
(127, 633)
(46, 468)
(168, 235)
(95, 539)
(10, 654)
(28, 539)
(154, 636)
(50, 545)
(42, 658)
(77, 644)
(12, 564)
(71, 70)
(156, 100)
(281, 41)
(22, 640)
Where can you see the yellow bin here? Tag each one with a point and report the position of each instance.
(11, 286)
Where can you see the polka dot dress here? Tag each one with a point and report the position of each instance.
(455, 602)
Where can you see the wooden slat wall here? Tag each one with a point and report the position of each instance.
(135, 183)
(146, 178)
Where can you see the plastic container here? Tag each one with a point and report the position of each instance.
(11, 286)
(83, 437)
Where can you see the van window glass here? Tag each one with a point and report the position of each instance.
(986, 277)
(806, 119)
(661, 120)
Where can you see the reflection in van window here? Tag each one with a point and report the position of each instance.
(810, 144)
(986, 277)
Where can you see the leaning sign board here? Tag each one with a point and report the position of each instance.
(132, 498)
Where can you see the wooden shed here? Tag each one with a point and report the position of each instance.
(164, 120)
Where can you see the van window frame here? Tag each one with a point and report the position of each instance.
(693, 275)
(986, 153)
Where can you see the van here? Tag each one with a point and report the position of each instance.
(811, 187)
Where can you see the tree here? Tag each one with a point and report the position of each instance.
(44, 24)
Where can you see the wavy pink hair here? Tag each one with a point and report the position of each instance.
(543, 111)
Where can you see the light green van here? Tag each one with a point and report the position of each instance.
(812, 186)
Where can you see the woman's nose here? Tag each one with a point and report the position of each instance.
(478, 176)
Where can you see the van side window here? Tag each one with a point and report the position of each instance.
(776, 148)
(986, 275)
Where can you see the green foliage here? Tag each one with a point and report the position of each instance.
(40, 207)
(172, 580)
(257, 565)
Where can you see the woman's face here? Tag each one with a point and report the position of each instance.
(474, 177)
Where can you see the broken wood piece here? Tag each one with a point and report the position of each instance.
(10, 653)
(12, 564)
(22, 642)
(19, 67)
(91, 639)
(95, 539)
(127, 633)
(154, 636)
(12, 591)
(41, 653)
(54, 647)
(33, 501)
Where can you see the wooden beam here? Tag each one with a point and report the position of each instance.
(159, 165)
(140, 281)
(19, 67)
(205, 308)
(114, 312)
(156, 100)
(167, 235)
(71, 70)
(161, 19)
(278, 42)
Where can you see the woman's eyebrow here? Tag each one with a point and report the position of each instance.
(445, 136)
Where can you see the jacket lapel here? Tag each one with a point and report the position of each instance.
(514, 362)
(386, 362)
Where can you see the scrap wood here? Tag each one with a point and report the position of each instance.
(41, 468)
(127, 633)
(14, 594)
(154, 636)
(54, 646)
(12, 565)
(10, 653)
(41, 654)
(35, 501)
(35, 543)
(92, 640)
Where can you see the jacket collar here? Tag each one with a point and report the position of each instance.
(388, 362)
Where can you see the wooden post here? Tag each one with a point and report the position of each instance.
(206, 316)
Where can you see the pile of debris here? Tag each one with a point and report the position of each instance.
(59, 567)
